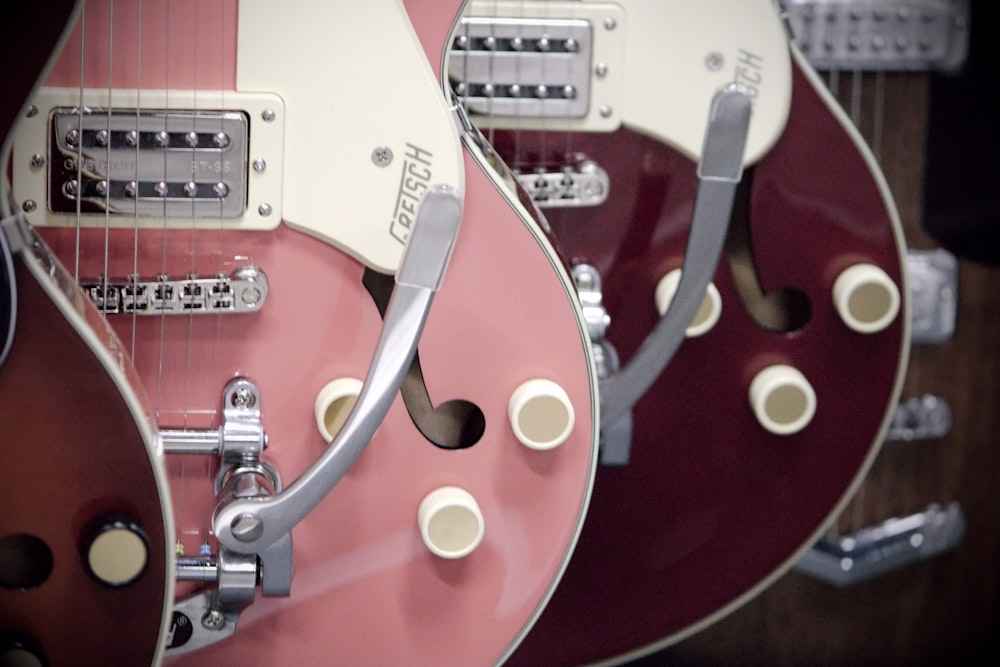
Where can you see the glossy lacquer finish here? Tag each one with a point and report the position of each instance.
(712, 506)
(366, 590)
(76, 449)
(74, 457)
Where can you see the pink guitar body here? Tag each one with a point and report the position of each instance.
(711, 507)
(366, 590)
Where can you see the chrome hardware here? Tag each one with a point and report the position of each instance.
(523, 67)
(211, 615)
(585, 184)
(923, 418)
(869, 552)
(720, 170)
(615, 445)
(881, 34)
(933, 280)
(244, 290)
(417, 280)
(154, 163)
(588, 287)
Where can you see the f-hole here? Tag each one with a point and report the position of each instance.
(455, 424)
(781, 310)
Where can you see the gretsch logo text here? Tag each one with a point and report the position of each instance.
(749, 71)
(413, 182)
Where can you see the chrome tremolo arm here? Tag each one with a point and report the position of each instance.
(249, 525)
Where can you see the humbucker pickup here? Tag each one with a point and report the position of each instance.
(523, 67)
(175, 164)
(180, 159)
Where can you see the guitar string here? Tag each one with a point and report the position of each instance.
(79, 148)
(222, 236)
(135, 177)
(180, 487)
(105, 277)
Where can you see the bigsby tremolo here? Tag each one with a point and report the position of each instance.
(254, 515)
(211, 615)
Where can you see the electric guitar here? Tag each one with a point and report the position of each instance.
(86, 549)
(601, 108)
(234, 186)
(938, 582)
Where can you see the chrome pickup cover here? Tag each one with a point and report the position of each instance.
(522, 67)
(148, 163)
(924, 35)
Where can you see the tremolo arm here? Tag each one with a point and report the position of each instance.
(249, 525)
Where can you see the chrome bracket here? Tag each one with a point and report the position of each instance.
(933, 280)
(924, 418)
(241, 436)
(869, 552)
(615, 438)
(211, 615)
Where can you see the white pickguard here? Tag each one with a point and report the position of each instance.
(331, 76)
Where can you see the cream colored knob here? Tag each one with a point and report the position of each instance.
(117, 554)
(334, 403)
(541, 414)
(866, 298)
(782, 399)
(708, 312)
(450, 522)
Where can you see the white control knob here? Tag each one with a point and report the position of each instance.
(334, 403)
(541, 414)
(708, 312)
(782, 399)
(117, 553)
(450, 522)
(866, 298)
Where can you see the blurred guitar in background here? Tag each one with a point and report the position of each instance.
(601, 108)
(946, 607)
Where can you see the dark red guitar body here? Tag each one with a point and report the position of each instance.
(74, 452)
(712, 507)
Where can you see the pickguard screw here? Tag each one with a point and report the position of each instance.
(32, 111)
(382, 156)
(610, 23)
(714, 61)
(601, 70)
(37, 161)
(267, 115)
(29, 205)
(259, 165)
(265, 209)
(605, 111)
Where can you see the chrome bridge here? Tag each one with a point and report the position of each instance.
(244, 290)
(572, 186)
(150, 163)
